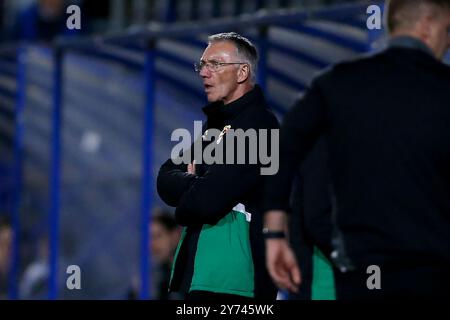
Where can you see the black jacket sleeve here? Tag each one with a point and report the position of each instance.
(301, 127)
(172, 182)
(173, 179)
(212, 196)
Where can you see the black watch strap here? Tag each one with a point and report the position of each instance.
(267, 234)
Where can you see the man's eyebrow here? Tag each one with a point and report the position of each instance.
(210, 60)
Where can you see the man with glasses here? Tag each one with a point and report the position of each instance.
(221, 252)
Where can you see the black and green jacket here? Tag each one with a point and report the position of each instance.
(221, 249)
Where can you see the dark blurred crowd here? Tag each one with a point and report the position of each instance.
(42, 20)
(164, 237)
(45, 19)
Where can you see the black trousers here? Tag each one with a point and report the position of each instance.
(413, 282)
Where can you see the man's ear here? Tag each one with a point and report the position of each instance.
(243, 73)
(426, 25)
(427, 22)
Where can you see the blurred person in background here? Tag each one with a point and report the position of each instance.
(43, 20)
(165, 235)
(34, 281)
(385, 118)
(6, 238)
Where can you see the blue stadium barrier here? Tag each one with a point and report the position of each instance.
(8, 83)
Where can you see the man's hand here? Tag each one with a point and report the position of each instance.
(191, 168)
(282, 265)
(280, 258)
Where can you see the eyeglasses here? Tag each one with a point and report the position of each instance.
(212, 66)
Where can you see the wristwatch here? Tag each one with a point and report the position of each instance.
(267, 234)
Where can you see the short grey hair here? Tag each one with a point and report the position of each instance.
(401, 13)
(245, 49)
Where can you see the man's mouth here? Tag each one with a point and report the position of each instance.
(207, 87)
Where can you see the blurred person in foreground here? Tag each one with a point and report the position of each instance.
(385, 118)
(221, 253)
(310, 226)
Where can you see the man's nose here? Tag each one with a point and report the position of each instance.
(204, 72)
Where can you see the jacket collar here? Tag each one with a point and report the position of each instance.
(218, 110)
(408, 42)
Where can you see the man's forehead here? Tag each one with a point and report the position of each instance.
(222, 49)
